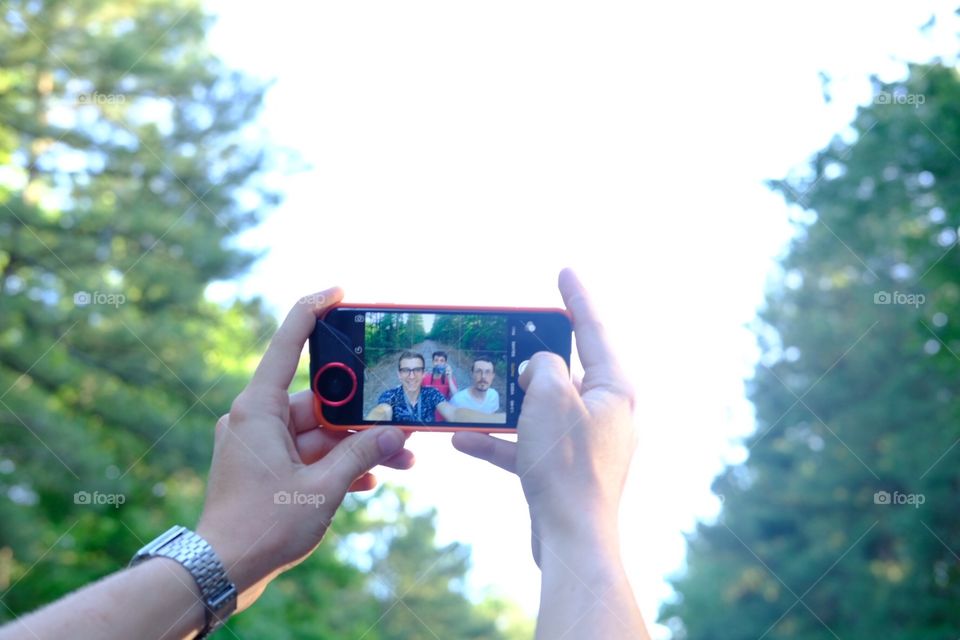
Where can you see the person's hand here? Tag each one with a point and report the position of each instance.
(380, 413)
(449, 370)
(277, 479)
(574, 445)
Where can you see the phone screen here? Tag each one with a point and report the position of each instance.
(430, 368)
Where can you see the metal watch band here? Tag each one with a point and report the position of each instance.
(193, 552)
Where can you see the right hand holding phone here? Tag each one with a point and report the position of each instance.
(574, 441)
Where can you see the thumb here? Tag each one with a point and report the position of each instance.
(357, 454)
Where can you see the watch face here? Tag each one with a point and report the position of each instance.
(162, 540)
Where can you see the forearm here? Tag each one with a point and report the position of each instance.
(584, 591)
(156, 599)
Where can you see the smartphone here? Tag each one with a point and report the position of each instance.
(428, 368)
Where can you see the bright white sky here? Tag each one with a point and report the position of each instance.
(500, 141)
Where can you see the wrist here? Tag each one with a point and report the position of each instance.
(589, 553)
(191, 551)
(595, 533)
(236, 563)
(170, 577)
(248, 567)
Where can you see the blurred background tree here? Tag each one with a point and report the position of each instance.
(856, 399)
(128, 164)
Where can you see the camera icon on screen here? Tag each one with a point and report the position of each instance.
(81, 497)
(881, 497)
(81, 298)
(882, 297)
(281, 497)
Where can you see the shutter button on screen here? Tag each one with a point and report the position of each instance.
(335, 384)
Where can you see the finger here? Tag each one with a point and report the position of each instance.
(600, 365)
(592, 345)
(302, 417)
(544, 364)
(315, 444)
(356, 454)
(279, 363)
(494, 450)
(221, 426)
(364, 483)
(577, 382)
(405, 459)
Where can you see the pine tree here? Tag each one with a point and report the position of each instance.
(125, 173)
(124, 176)
(842, 521)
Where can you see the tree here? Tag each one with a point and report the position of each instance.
(419, 586)
(125, 173)
(478, 333)
(381, 578)
(841, 522)
(388, 332)
(124, 177)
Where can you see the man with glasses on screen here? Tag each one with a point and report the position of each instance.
(413, 403)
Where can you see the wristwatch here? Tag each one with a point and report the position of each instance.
(219, 595)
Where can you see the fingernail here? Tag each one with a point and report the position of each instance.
(390, 441)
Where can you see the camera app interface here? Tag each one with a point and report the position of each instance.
(430, 368)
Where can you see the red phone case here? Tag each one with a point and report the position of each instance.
(318, 406)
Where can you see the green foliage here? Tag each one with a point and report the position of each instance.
(418, 586)
(856, 395)
(476, 333)
(124, 178)
(381, 578)
(121, 181)
(393, 332)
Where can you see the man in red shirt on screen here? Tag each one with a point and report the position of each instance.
(441, 377)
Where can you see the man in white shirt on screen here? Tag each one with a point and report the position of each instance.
(480, 396)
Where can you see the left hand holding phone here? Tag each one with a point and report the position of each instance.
(272, 459)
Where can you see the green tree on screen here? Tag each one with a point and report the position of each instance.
(387, 331)
(481, 333)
